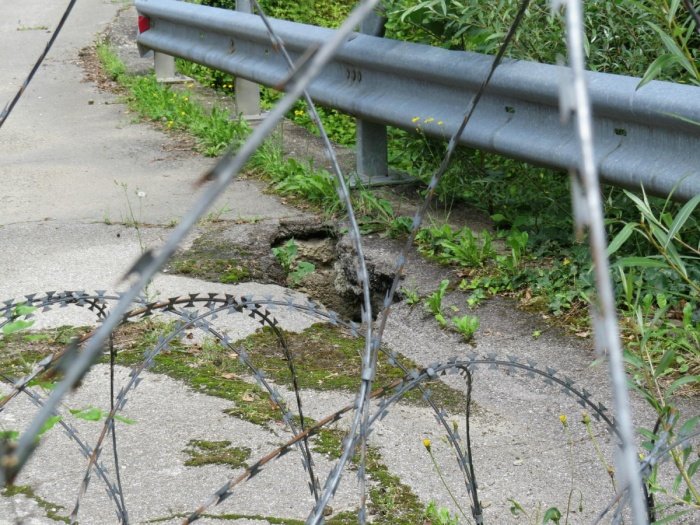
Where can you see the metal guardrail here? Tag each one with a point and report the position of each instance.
(647, 136)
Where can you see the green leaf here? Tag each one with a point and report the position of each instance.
(666, 361)
(621, 238)
(632, 359)
(689, 425)
(643, 207)
(685, 380)
(672, 10)
(516, 508)
(673, 49)
(659, 233)
(125, 420)
(23, 309)
(303, 269)
(674, 257)
(9, 434)
(16, 326)
(642, 262)
(48, 425)
(656, 68)
(683, 215)
(88, 414)
(552, 514)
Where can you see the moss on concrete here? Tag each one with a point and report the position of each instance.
(52, 510)
(204, 452)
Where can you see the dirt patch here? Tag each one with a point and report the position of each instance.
(233, 252)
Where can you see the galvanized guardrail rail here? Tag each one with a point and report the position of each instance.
(647, 136)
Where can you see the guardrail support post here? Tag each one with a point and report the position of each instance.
(371, 158)
(247, 93)
(165, 67)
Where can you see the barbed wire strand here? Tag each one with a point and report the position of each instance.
(606, 325)
(77, 364)
(124, 517)
(11, 105)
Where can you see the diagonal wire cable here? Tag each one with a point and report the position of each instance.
(77, 364)
(11, 105)
(605, 315)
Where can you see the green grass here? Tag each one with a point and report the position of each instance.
(215, 130)
(228, 271)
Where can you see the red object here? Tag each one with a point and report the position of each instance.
(144, 24)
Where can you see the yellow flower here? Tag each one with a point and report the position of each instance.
(427, 443)
(428, 120)
(415, 119)
(566, 261)
(440, 123)
(185, 98)
(563, 419)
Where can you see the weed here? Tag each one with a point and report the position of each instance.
(410, 296)
(400, 227)
(33, 28)
(443, 517)
(461, 247)
(435, 515)
(286, 254)
(433, 303)
(287, 257)
(535, 517)
(303, 268)
(20, 319)
(466, 325)
(133, 218)
(214, 216)
(228, 271)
